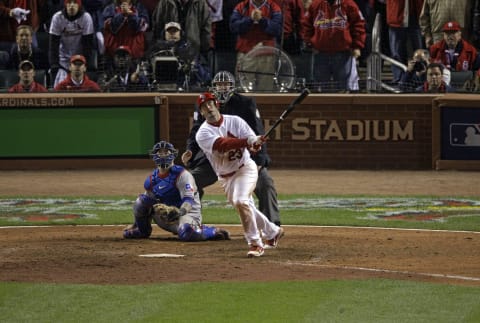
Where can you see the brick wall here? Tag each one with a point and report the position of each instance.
(337, 132)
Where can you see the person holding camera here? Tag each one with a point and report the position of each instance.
(123, 75)
(416, 71)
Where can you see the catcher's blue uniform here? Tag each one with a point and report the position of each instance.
(173, 189)
(165, 188)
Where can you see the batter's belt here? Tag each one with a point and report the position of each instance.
(232, 173)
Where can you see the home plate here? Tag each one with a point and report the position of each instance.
(161, 255)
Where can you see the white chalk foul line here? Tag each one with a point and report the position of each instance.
(388, 271)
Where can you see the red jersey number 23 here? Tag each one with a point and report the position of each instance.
(234, 154)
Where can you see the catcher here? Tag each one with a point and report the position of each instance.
(171, 200)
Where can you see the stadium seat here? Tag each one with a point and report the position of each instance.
(458, 78)
(7, 79)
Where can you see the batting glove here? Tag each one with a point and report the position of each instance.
(253, 141)
(19, 14)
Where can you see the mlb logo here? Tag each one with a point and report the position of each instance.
(465, 134)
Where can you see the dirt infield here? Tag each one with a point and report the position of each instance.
(78, 254)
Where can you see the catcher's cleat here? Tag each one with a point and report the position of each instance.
(273, 243)
(255, 251)
(221, 234)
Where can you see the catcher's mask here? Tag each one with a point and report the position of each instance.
(223, 85)
(163, 154)
(205, 97)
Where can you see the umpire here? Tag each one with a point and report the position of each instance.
(233, 103)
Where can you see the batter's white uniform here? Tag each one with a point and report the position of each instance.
(237, 173)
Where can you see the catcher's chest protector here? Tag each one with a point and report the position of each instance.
(165, 189)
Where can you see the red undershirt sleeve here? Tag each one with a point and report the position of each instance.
(223, 144)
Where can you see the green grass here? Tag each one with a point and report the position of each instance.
(326, 301)
(375, 300)
(295, 209)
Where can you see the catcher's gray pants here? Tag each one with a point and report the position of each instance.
(265, 190)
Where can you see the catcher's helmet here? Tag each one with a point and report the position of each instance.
(223, 85)
(205, 97)
(163, 154)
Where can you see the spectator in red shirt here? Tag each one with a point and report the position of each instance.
(256, 23)
(77, 79)
(125, 24)
(454, 52)
(27, 84)
(335, 29)
(292, 13)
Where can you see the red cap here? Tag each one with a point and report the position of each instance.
(78, 58)
(451, 26)
(124, 49)
(205, 97)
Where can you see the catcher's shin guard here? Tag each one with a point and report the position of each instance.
(141, 230)
(188, 232)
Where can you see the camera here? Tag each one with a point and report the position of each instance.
(420, 66)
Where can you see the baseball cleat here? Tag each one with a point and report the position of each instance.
(273, 243)
(255, 251)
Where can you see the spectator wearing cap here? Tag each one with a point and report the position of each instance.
(23, 50)
(77, 79)
(190, 63)
(123, 75)
(27, 84)
(125, 24)
(455, 53)
(435, 82)
(435, 13)
(71, 32)
(171, 37)
(193, 17)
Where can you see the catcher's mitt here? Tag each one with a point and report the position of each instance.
(169, 214)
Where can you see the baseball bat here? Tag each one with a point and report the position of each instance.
(287, 111)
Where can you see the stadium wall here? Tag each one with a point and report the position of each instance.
(347, 131)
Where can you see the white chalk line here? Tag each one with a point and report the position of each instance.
(388, 271)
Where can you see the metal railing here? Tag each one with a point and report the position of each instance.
(375, 62)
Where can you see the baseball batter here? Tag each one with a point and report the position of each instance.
(226, 140)
(171, 199)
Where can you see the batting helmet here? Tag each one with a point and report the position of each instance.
(223, 85)
(163, 154)
(205, 97)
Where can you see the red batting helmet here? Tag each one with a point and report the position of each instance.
(205, 97)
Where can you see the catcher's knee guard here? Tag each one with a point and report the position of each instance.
(188, 232)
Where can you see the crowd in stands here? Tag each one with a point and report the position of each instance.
(177, 45)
